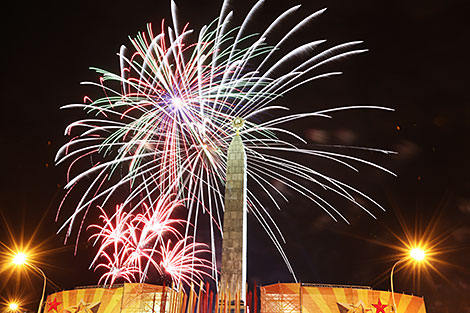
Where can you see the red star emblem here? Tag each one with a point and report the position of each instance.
(379, 307)
(53, 305)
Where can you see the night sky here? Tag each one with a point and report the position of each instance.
(417, 64)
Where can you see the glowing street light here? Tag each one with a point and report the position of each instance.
(13, 306)
(417, 255)
(21, 259)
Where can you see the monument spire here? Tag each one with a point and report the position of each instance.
(233, 271)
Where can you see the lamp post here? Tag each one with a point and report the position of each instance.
(416, 254)
(21, 259)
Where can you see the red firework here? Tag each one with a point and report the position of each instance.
(183, 262)
(131, 244)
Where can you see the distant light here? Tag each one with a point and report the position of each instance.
(177, 102)
(417, 254)
(19, 258)
(13, 306)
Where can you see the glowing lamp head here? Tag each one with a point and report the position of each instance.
(13, 306)
(19, 258)
(417, 254)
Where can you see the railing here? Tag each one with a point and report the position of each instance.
(336, 286)
(98, 286)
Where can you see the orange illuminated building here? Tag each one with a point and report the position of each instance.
(316, 298)
(276, 298)
(124, 298)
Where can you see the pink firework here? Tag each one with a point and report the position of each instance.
(139, 253)
(113, 233)
(183, 261)
(131, 244)
(116, 269)
(155, 220)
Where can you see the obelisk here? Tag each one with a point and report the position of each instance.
(233, 271)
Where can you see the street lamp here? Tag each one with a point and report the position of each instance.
(21, 259)
(13, 306)
(416, 254)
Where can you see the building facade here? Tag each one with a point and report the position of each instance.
(316, 298)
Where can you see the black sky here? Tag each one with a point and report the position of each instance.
(417, 64)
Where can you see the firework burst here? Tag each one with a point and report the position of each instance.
(164, 126)
(185, 261)
(129, 245)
